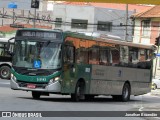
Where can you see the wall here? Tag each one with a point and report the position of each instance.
(93, 15)
(137, 33)
(117, 17)
(68, 12)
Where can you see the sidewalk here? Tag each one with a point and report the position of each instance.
(155, 92)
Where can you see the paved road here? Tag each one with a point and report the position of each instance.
(4, 83)
(12, 100)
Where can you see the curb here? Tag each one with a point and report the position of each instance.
(155, 92)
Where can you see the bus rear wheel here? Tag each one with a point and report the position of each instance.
(79, 92)
(125, 94)
(5, 72)
(36, 95)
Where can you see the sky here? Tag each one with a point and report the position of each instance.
(21, 4)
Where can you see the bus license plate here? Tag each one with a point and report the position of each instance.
(32, 86)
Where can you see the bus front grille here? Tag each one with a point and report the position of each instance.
(38, 85)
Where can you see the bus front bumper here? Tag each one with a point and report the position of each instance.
(54, 87)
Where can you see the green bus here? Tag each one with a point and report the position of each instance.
(69, 63)
(5, 58)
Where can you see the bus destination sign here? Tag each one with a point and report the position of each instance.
(39, 34)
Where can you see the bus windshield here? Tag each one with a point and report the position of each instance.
(47, 55)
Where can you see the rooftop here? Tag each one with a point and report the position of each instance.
(8, 29)
(131, 7)
(153, 12)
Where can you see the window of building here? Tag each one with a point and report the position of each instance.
(58, 22)
(146, 27)
(104, 26)
(79, 24)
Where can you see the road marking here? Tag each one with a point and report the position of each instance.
(157, 117)
(4, 83)
(141, 109)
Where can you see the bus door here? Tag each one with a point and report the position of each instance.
(68, 69)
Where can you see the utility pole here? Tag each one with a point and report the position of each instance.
(2, 17)
(34, 22)
(13, 16)
(126, 29)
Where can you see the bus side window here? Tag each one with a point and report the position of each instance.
(1, 49)
(133, 55)
(115, 57)
(124, 55)
(142, 55)
(94, 55)
(82, 55)
(105, 57)
(69, 54)
(147, 56)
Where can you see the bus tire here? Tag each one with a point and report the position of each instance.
(154, 86)
(5, 72)
(125, 93)
(36, 95)
(79, 92)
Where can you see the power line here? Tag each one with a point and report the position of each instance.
(65, 23)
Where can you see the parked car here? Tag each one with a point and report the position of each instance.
(155, 83)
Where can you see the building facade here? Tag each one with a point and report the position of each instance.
(147, 29)
(92, 19)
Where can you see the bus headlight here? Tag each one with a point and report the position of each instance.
(54, 80)
(13, 78)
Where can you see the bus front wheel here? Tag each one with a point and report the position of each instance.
(5, 72)
(36, 95)
(79, 92)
